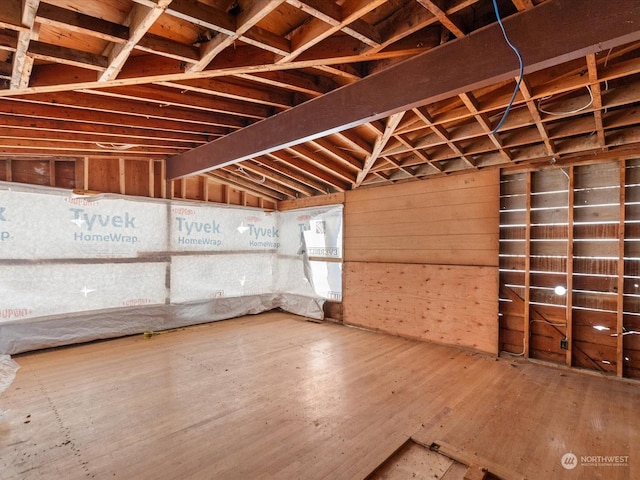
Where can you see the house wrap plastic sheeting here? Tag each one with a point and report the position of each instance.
(320, 237)
(78, 268)
(8, 369)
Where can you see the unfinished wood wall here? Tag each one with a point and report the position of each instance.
(143, 177)
(577, 228)
(422, 259)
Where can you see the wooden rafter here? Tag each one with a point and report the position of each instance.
(525, 89)
(312, 157)
(66, 56)
(472, 104)
(232, 91)
(442, 132)
(259, 180)
(523, 4)
(52, 15)
(159, 112)
(295, 188)
(291, 159)
(596, 93)
(407, 171)
(221, 22)
(314, 31)
(381, 141)
(331, 14)
(442, 17)
(295, 175)
(253, 12)
(246, 184)
(412, 19)
(171, 98)
(346, 160)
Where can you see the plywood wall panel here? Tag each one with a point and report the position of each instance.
(454, 305)
(451, 221)
(65, 174)
(436, 242)
(35, 172)
(193, 188)
(416, 256)
(104, 175)
(426, 195)
(136, 176)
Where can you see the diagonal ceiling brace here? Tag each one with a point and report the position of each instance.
(22, 62)
(382, 140)
(552, 33)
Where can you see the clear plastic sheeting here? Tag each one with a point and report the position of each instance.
(8, 369)
(320, 232)
(78, 268)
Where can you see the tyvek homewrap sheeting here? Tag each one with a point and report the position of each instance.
(45, 226)
(77, 268)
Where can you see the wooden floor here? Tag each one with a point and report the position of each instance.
(274, 396)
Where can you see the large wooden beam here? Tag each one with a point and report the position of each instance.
(554, 32)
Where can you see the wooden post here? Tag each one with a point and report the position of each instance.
(205, 188)
(85, 173)
(151, 178)
(9, 171)
(527, 270)
(164, 183)
(620, 271)
(569, 293)
(121, 176)
(79, 174)
(52, 173)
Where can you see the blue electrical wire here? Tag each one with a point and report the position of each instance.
(517, 52)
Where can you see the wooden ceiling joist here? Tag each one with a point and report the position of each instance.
(296, 176)
(463, 65)
(73, 21)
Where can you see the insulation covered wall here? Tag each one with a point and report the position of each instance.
(76, 268)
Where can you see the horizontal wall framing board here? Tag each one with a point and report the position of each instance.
(447, 304)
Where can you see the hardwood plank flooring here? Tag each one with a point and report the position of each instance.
(274, 396)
